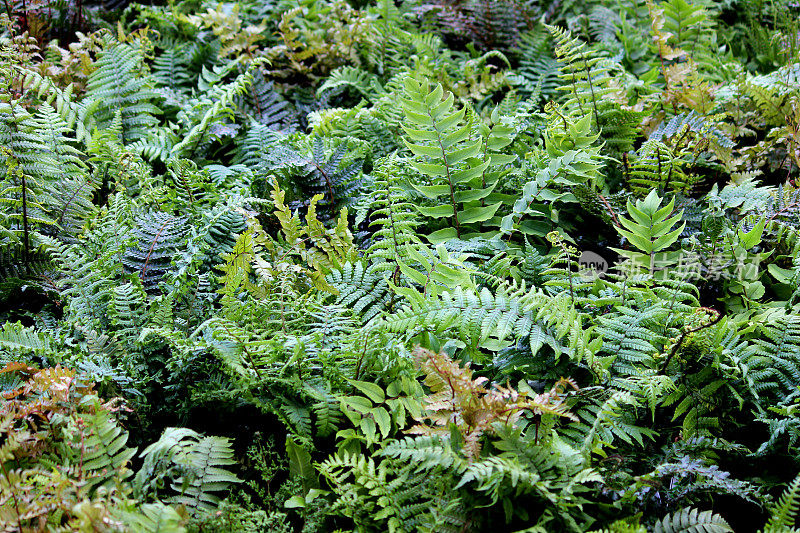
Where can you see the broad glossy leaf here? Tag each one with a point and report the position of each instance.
(421, 135)
(371, 390)
(434, 152)
(384, 421)
(478, 214)
(667, 240)
(432, 191)
(466, 175)
(456, 136)
(473, 195)
(429, 169)
(442, 235)
(638, 241)
(445, 123)
(439, 211)
(456, 156)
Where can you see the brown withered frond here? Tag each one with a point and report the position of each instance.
(459, 401)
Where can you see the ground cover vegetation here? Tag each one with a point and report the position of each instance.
(426, 265)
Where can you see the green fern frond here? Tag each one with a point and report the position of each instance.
(689, 520)
(118, 86)
(159, 236)
(784, 513)
(206, 464)
(155, 518)
(107, 455)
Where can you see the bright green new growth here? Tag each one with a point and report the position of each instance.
(650, 229)
(441, 139)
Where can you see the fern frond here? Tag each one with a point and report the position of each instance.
(784, 514)
(689, 520)
(159, 236)
(117, 86)
(207, 461)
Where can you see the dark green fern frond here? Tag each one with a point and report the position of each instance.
(127, 312)
(395, 219)
(157, 144)
(691, 122)
(17, 340)
(159, 236)
(19, 269)
(191, 189)
(171, 67)
(210, 116)
(336, 179)
(773, 367)
(491, 320)
(222, 235)
(197, 466)
(657, 167)
(537, 67)
(71, 208)
(266, 106)
(359, 80)
(365, 292)
(587, 77)
(262, 151)
(634, 337)
(53, 155)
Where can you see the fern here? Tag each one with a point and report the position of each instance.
(537, 66)
(171, 68)
(49, 154)
(650, 230)
(155, 518)
(366, 293)
(392, 495)
(20, 340)
(106, 453)
(362, 220)
(453, 155)
(206, 460)
(395, 220)
(490, 320)
(587, 77)
(458, 402)
(783, 514)
(71, 208)
(208, 112)
(159, 236)
(125, 311)
(116, 86)
(352, 77)
(24, 199)
(772, 366)
(634, 337)
(691, 520)
(191, 189)
(571, 159)
(201, 464)
(612, 418)
(657, 167)
(266, 106)
(682, 123)
(336, 178)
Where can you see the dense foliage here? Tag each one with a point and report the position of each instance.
(425, 265)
